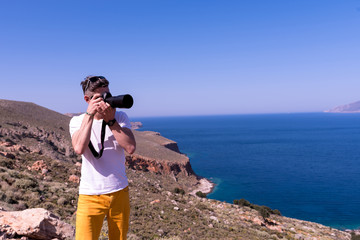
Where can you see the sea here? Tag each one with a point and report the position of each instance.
(306, 165)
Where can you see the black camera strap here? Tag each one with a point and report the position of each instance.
(96, 154)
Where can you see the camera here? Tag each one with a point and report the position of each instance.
(121, 101)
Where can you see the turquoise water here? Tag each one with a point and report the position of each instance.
(305, 165)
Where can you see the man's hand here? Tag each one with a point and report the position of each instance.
(106, 111)
(94, 104)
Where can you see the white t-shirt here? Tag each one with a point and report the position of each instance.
(106, 174)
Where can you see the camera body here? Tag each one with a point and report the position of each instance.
(121, 101)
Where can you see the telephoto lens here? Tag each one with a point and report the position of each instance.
(121, 101)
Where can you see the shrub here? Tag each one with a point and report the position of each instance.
(276, 212)
(48, 206)
(242, 202)
(179, 191)
(21, 206)
(2, 196)
(33, 199)
(264, 212)
(25, 183)
(62, 201)
(354, 236)
(201, 194)
(202, 207)
(7, 178)
(7, 163)
(10, 197)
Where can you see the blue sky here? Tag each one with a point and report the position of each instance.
(198, 57)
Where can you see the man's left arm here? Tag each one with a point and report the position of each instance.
(123, 135)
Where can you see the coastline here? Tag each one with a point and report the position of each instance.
(204, 185)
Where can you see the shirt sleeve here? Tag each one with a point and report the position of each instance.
(75, 124)
(123, 120)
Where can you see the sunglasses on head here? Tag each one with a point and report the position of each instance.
(93, 80)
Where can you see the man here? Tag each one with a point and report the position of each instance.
(101, 135)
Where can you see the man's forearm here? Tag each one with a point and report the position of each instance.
(124, 137)
(81, 138)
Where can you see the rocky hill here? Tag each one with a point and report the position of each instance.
(39, 173)
(347, 108)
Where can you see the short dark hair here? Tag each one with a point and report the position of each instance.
(91, 83)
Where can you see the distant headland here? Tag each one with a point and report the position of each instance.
(347, 108)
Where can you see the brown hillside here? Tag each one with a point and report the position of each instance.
(35, 128)
(33, 115)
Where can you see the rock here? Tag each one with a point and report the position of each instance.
(39, 166)
(35, 223)
(136, 125)
(258, 221)
(155, 201)
(74, 179)
(44, 171)
(214, 218)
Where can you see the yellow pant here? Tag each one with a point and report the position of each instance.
(93, 208)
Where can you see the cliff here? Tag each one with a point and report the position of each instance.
(159, 155)
(347, 108)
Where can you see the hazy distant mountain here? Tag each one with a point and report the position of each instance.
(348, 108)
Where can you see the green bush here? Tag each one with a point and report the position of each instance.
(354, 236)
(201, 194)
(48, 206)
(2, 196)
(202, 207)
(10, 197)
(25, 183)
(6, 162)
(276, 212)
(242, 202)
(179, 191)
(263, 210)
(62, 201)
(33, 199)
(21, 206)
(7, 178)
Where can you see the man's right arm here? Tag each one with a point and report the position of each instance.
(81, 138)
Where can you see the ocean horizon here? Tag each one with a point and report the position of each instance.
(303, 164)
